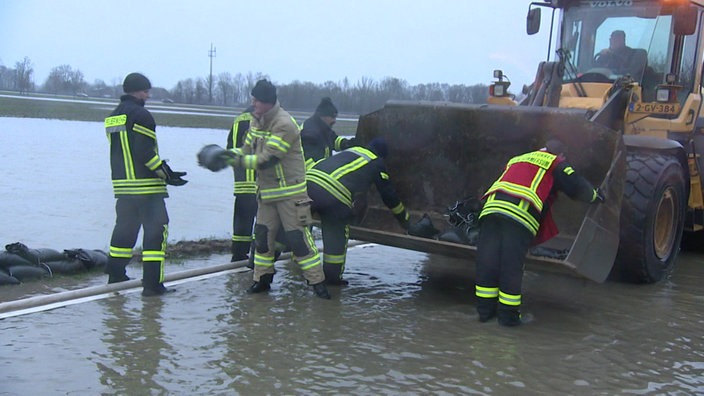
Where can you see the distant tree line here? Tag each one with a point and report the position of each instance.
(227, 90)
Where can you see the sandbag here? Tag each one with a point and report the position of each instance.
(90, 258)
(212, 157)
(423, 228)
(454, 235)
(66, 266)
(20, 249)
(8, 259)
(28, 272)
(7, 279)
(46, 254)
(463, 215)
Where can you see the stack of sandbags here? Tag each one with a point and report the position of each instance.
(19, 263)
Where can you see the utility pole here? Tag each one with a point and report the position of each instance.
(211, 55)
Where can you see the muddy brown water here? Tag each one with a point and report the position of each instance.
(405, 325)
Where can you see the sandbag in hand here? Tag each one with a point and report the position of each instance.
(215, 158)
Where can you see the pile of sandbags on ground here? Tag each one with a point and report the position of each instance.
(19, 263)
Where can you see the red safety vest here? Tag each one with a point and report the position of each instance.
(522, 192)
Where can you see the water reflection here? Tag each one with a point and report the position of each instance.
(405, 325)
(136, 345)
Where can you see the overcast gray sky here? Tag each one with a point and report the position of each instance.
(446, 41)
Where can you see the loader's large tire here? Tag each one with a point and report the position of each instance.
(652, 218)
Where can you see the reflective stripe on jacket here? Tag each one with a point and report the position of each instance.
(353, 171)
(245, 179)
(134, 154)
(273, 148)
(523, 188)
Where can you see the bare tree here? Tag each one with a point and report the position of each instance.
(23, 75)
(6, 78)
(64, 80)
(225, 88)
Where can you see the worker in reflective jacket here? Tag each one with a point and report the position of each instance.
(245, 207)
(273, 148)
(516, 214)
(139, 179)
(332, 184)
(317, 136)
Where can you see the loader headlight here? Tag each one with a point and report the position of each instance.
(662, 95)
(667, 92)
(499, 88)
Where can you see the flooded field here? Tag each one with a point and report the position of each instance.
(406, 324)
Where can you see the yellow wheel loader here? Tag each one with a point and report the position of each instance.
(629, 114)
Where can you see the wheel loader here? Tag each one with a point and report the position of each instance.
(634, 128)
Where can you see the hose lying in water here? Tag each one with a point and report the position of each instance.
(62, 299)
(57, 300)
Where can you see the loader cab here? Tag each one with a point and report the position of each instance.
(658, 40)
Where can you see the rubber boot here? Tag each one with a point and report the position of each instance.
(509, 316)
(116, 269)
(333, 276)
(336, 282)
(486, 308)
(321, 291)
(151, 279)
(264, 284)
(239, 251)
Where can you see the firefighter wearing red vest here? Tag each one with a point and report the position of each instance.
(516, 215)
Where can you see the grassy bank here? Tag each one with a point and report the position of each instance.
(95, 109)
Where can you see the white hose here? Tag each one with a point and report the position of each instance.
(62, 299)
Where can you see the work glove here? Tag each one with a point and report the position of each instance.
(232, 157)
(215, 158)
(347, 143)
(600, 197)
(171, 177)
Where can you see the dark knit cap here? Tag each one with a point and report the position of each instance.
(264, 91)
(326, 108)
(379, 147)
(136, 82)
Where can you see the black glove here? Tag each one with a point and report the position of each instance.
(351, 142)
(170, 177)
(600, 197)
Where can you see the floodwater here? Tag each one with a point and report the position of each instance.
(405, 325)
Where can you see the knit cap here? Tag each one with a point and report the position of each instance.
(264, 91)
(326, 108)
(135, 82)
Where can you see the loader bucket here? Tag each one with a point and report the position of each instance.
(443, 152)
